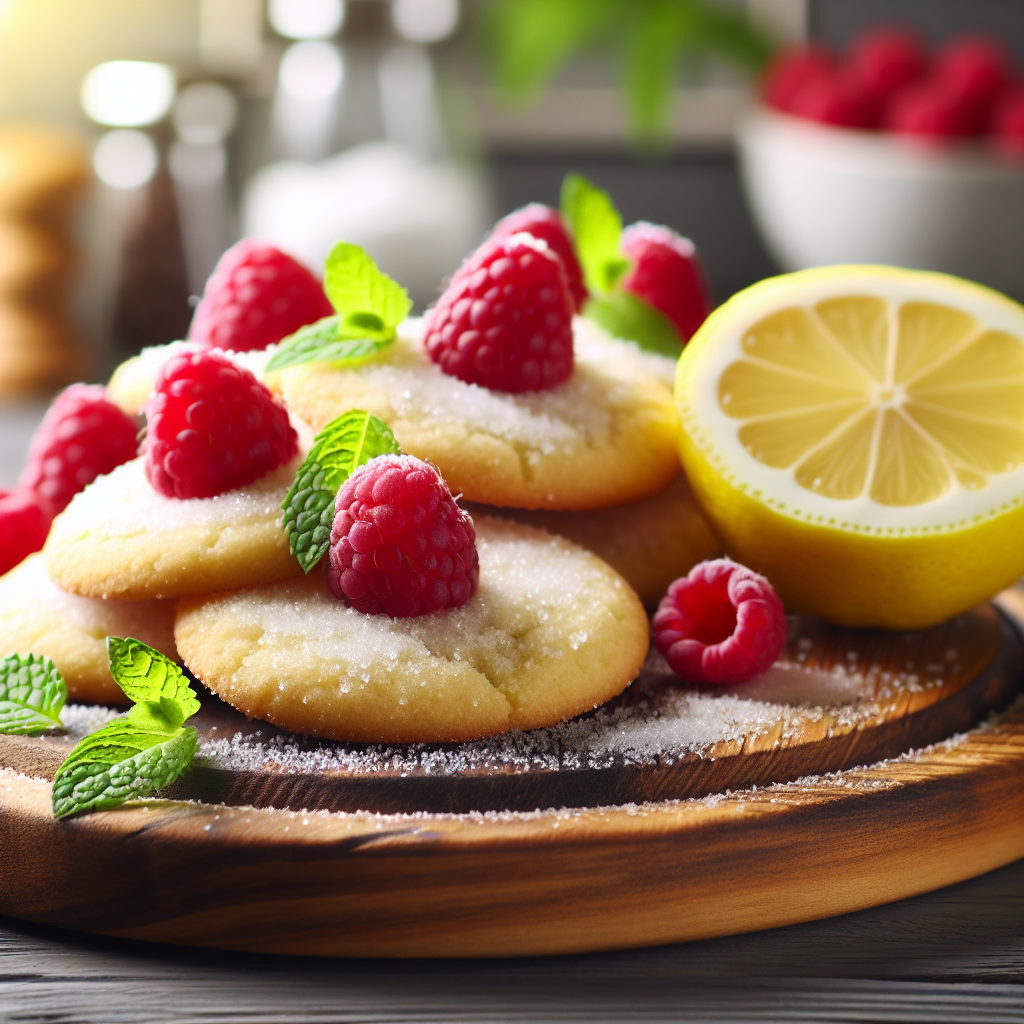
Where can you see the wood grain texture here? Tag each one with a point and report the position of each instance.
(918, 688)
(501, 884)
(549, 882)
(956, 954)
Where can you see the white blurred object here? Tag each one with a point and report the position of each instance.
(127, 93)
(306, 19)
(125, 158)
(408, 99)
(424, 21)
(824, 195)
(204, 116)
(199, 173)
(197, 166)
(204, 113)
(417, 219)
(311, 70)
(307, 99)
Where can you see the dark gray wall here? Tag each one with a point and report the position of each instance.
(837, 21)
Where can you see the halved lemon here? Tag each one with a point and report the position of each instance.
(856, 434)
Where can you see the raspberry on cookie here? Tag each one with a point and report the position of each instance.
(546, 223)
(82, 436)
(201, 510)
(399, 543)
(505, 321)
(256, 296)
(212, 427)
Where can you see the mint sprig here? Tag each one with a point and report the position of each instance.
(370, 306)
(338, 450)
(140, 752)
(597, 227)
(146, 675)
(626, 316)
(32, 693)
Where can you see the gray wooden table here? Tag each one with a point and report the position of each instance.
(952, 955)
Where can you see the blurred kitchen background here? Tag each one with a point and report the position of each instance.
(140, 138)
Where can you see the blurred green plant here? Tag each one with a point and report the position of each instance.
(527, 42)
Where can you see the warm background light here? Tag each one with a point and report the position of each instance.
(306, 19)
(128, 93)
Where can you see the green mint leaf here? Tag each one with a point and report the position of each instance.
(339, 449)
(32, 693)
(356, 288)
(325, 342)
(157, 716)
(148, 675)
(624, 315)
(597, 228)
(125, 764)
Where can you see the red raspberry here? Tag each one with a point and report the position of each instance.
(400, 546)
(545, 223)
(884, 59)
(212, 427)
(1008, 123)
(256, 296)
(837, 99)
(81, 437)
(505, 321)
(721, 624)
(929, 109)
(975, 69)
(791, 71)
(666, 274)
(24, 524)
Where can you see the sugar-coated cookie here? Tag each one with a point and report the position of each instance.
(603, 438)
(654, 363)
(133, 381)
(37, 617)
(651, 542)
(120, 538)
(552, 631)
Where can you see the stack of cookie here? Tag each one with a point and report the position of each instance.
(593, 459)
(42, 176)
(501, 396)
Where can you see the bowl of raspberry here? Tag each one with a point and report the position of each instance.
(891, 153)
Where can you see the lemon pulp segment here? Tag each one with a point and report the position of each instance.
(864, 397)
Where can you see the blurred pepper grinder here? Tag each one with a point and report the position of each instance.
(151, 293)
(43, 176)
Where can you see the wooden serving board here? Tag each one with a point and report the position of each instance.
(544, 881)
(883, 692)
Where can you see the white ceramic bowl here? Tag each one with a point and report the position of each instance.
(822, 195)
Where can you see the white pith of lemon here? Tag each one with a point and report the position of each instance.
(857, 435)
